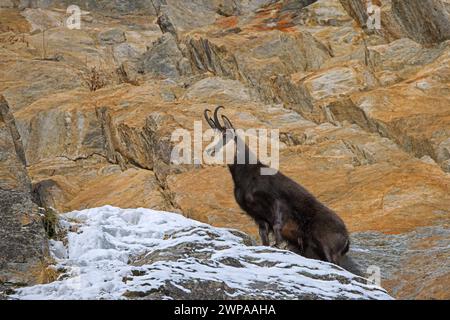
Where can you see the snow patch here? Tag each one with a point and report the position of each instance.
(102, 242)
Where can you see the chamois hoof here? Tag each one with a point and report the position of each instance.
(281, 246)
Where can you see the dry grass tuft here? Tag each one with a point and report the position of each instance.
(95, 79)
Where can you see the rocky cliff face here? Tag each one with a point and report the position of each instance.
(23, 243)
(364, 115)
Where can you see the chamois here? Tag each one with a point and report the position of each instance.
(280, 205)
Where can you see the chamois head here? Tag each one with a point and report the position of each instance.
(224, 133)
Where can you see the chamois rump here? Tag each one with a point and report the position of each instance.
(278, 204)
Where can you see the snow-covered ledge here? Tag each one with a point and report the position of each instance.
(113, 253)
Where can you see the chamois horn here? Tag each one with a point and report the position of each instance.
(208, 119)
(214, 122)
(227, 122)
(216, 118)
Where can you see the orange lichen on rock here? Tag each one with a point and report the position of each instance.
(227, 22)
(12, 20)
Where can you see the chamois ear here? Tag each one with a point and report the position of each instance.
(227, 123)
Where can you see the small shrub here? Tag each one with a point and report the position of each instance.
(95, 79)
(50, 220)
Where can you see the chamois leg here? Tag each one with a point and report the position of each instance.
(278, 224)
(300, 245)
(264, 232)
(334, 253)
(325, 252)
(298, 249)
